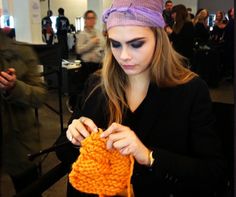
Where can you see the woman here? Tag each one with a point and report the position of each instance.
(152, 107)
(181, 35)
(201, 28)
(217, 34)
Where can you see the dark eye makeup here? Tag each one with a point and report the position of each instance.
(115, 44)
(137, 44)
(134, 44)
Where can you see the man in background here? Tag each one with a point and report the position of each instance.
(47, 29)
(167, 13)
(63, 26)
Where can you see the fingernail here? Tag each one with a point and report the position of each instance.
(95, 129)
(102, 135)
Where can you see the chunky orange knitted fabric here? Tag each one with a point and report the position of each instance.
(101, 171)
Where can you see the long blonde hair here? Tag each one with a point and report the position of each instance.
(167, 70)
(201, 17)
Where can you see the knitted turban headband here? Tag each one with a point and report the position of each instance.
(147, 13)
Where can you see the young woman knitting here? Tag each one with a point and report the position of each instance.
(152, 109)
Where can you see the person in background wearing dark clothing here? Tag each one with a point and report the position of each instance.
(181, 35)
(63, 26)
(229, 45)
(47, 29)
(167, 14)
(10, 32)
(21, 91)
(201, 28)
(151, 108)
(217, 34)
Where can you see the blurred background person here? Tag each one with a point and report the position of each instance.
(190, 14)
(181, 35)
(90, 43)
(47, 29)
(201, 28)
(217, 34)
(167, 13)
(63, 26)
(10, 32)
(89, 49)
(21, 91)
(229, 46)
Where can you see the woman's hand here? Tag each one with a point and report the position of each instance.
(126, 141)
(8, 79)
(80, 129)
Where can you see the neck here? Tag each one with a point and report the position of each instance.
(140, 79)
(89, 28)
(137, 90)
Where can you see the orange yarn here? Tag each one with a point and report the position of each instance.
(101, 171)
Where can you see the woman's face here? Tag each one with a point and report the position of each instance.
(132, 47)
(219, 16)
(90, 20)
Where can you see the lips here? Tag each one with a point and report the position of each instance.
(126, 66)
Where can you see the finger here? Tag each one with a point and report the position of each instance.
(71, 134)
(113, 138)
(125, 151)
(76, 142)
(113, 128)
(3, 80)
(7, 76)
(120, 144)
(90, 125)
(109, 144)
(77, 129)
(12, 71)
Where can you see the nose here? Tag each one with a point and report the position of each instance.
(125, 55)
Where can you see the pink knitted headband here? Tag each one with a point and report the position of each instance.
(146, 13)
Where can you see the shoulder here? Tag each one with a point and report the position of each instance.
(196, 90)
(189, 91)
(197, 81)
(194, 85)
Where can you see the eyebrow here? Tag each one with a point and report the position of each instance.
(130, 41)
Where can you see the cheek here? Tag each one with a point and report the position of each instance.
(115, 53)
(147, 54)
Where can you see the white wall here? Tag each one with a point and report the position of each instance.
(27, 21)
(223, 5)
(107, 3)
(99, 6)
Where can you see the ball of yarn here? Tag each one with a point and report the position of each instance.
(99, 170)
